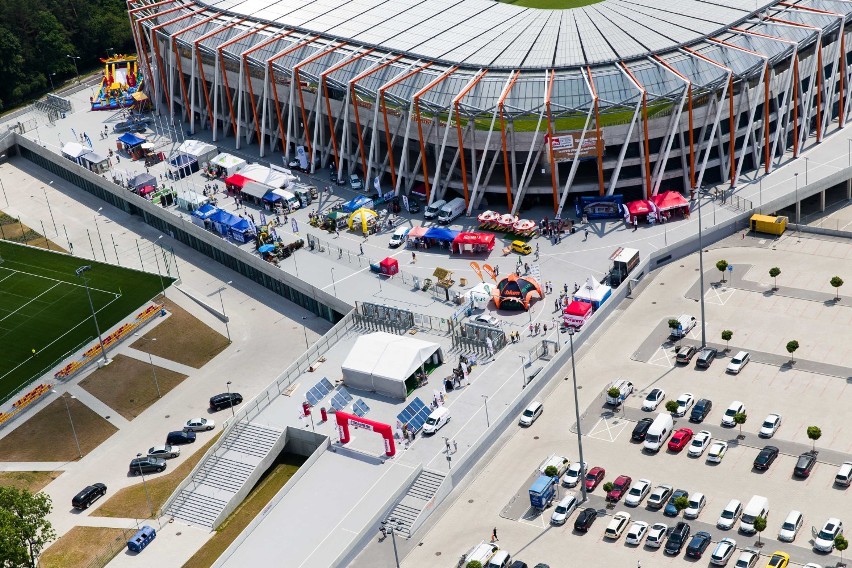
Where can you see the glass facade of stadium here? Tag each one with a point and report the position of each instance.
(516, 137)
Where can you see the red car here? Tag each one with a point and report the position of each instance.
(619, 488)
(680, 439)
(594, 478)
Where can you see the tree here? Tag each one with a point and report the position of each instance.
(608, 486)
(841, 544)
(474, 564)
(24, 528)
(740, 419)
(727, 334)
(614, 393)
(791, 348)
(681, 503)
(836, 282)
(814, 433)
(759, 525)
(551, 471)
(774, 272)
(722, 266)
(671, 406)
(673, 325)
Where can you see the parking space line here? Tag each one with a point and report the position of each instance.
(662, 354)
(612, 433)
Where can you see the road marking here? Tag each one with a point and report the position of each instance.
(607, 432)
(661, 358)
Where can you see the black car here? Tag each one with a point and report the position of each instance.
(685, 353)
(700, 410)
(698, 544)
(677, 538)
(179, 437)
(146, 465)
(85, 498)
(225, 400)
(805, 464)
(705, 357)
(585, 519)
(765, 458)
(519, 564)
(413, 206)
(641, 429)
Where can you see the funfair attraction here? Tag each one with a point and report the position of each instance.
(121, 85)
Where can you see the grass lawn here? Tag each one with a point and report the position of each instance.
(183, 338)
(47, 435)
(32, 481)
(12, 229)
(260, 496)
(85, 546)
(127, 385)
(130, 502)
(43, 306)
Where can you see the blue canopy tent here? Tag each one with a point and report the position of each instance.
(223, 221)
(141, 180)
(271, 197)
(130, 140)
(184, 165)
(441, 234)
(357, 203)
(241, 231)
(203, 213)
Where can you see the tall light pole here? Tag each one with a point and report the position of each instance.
(3, 187)
(389, 527)
(98, 227)
(145, 487)
(228, 385)
(487, 419)
(796, 205)
(701, 275)
(55, 230)
(50, 76)
(80, 271)
(524, 369)
(151, 360)
(225, 317)
(305, 329)
(577, 413)
(333, 283)
(76, 71)
(71, 420)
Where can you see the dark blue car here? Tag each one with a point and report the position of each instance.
(180, 437)
(671, 510)
(699, 543)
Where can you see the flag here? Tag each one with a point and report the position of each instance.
(377, 186)
(490, 271)
(88, 140)
(74, 134)
(476, 268)
(262, 218)
(294, 224)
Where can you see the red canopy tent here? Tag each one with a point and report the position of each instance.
(639, 209)
(668, 200)
(473, 242)
(577, 313)
(145, 190)
(389, 266)
(235, 182)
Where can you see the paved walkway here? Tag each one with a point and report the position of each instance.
(158, 361)
(95, 404)
(37, 466)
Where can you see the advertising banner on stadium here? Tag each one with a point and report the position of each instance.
(567, 146)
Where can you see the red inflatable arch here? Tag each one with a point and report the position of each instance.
(344, 420)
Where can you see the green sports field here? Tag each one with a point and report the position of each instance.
(43, 306)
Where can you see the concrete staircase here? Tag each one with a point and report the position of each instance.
(244, 455)
(418, 496)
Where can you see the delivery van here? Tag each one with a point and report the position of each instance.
(685, 323)
(303, 192)
(451, 211)
(757, 507)
(482, 553)
(437, 420)
(291, 202)
(432, 210)
(659, 432)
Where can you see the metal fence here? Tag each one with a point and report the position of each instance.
(108, 550)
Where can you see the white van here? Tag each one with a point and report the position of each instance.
(482, 553)
(291, 201)
(500, 560)
(399, 236)
(757, 507)
(685, 323)
(659, 432)
(432, 210)
(437, 420)
(844, 475)
(451, 211)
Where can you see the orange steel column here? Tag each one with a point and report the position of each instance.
(177, 58)
(245, 55)
(689, 110)
(297, 81)
(732, 132)
(766, 118)
(456, 100)
(547, 97)
(155, 44)
(220, 51)
(323, 80)
(503, 132)
(140, 34)
(416, 98)
(598, 148)
(796, 108)
(269, 62)
(644, 130)
(186, 101)
(201, 64)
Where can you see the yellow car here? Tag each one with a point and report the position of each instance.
(521, 247)
(778, 560)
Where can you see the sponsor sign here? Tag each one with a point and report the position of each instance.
(566, 147)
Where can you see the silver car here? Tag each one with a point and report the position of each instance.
(165, 451)
(723, 551)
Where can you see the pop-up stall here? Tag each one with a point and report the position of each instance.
(593, 292)
(142, 180)
(671, 203)
(225, 165)
(191, 200)
(576, 314)
(132, 144)
(473, 243)
(639, 211)
(200, 151)
(201, 216)
(357, 203)
(480, 295)
(389, 266)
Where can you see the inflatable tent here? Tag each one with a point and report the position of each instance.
(593, 292)
(362, 217)
(515, 292)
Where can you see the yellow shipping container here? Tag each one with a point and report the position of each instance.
(768, 224)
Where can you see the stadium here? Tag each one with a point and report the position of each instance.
(506, 106)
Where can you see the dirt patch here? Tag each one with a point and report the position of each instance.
(183, 338)
(131, 502)
(85, 546)
(11, 229)
(127, 385)
(47, 435)
(32, 481)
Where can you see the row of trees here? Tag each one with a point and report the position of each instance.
(774, 272)
(24, 528)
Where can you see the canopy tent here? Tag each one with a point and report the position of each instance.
(481, 294)
(223, 221)
(227, 164)
(271, 197)
(640, 209)
(442, 234)
(203, 213)
(357, 203)
(142, 180)
(184, 164)
(417, 232)
(198, 150)
(255, 189)
(576, 314)
(242, 231)
(95, 162)
(130, 140)
(362, 217)
(144, 191)
(236, 181)
(389, 266)
(593, 292)
(473, 242)
(669, 200)
(74, 150)
(272, 176)
(191, 200)
(515, 292)
(383, 363)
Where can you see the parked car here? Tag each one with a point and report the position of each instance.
(765, 458)
(730, 514)
(824, 539)
(770, 426)
(700, 410)
(671, 510)
(790, 527)
(779, 559)
(199, 424)
(91, 493)
(700, 442)
(805, 464)
(487, 319)
(659, 496)
(574, 474)
(399, 236)
(656, 535)
(146, 465)
(737, 363)
(653, 400)
(531, 413)
(179, 437)
(617, 525)
(165, 451)
(585, 519)
(638, 491)
(699, 543)
(594, 477)
(355, 182)
(677, 538)
(641, 429)
(225, 400)
(636, 533)
(723, 551)
(680, 439)
(747, 559)
(685, 354)
(717, 451)
(843, 477)
(564, 509)
(735, 408)
(619, 488)
(696, 505)
(705, 357)
(684, 403)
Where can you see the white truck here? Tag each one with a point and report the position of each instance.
(451, 211)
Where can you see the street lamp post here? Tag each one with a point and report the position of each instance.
(228, 385)
(487, 419)
(76, 71)
(55, 230)
(305, 330)
(98, 227)
(71, 420)
(701, 274)
(524, 369)
(80, 271)
(50, 76)
(333, 283)
(389, 527)
(796, 205)
(224, 316)
(577, 413)
(145, 487)
(151, 360)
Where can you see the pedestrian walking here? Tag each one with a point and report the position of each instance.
(635, 223)
(587, 235)
(494, 535)
(337, 234)
(413, 257)
(361, 245)
(496, 270)
(531, 329)
(545, 329)
(455, 446)
(566, 287)
(447, 440)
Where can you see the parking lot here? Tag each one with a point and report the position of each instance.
(636, 347)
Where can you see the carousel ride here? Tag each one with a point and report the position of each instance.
(507, 223)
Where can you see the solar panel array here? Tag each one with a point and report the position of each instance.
(340, 399)
(360, 407)
(414, 415)
(319, 391)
